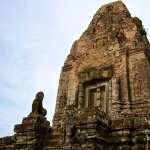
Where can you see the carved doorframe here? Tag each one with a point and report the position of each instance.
(104, 77)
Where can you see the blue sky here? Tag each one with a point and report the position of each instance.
(36, 36)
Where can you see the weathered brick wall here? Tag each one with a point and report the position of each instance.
(112, 38)
(7, 143)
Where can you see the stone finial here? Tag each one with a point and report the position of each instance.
(37, 106)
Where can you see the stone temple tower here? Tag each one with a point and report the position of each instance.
(103, 100)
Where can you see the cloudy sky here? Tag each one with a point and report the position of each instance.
(36, 36)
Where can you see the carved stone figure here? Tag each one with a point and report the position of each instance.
(37, 106)
(137, 85)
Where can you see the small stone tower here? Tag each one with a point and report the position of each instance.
(103, 100)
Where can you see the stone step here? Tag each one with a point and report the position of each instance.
(7, 147)
(54, 136)
(52, 148)
(51, 143)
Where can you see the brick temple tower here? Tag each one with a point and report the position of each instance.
(103, 100)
